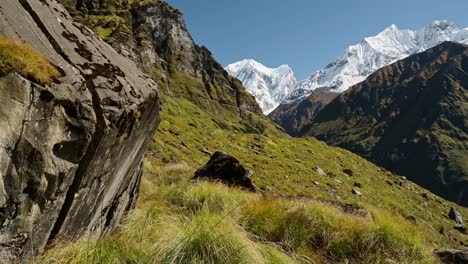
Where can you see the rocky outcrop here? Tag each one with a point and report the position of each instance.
(228, 170)
(70, 152)
(154, 34)
(455, 216)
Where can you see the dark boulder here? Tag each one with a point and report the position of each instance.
(349, 172)
(227, 169)
(452, 256)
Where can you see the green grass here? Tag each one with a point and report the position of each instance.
(289, 221)
(25, 60)
(243, 228)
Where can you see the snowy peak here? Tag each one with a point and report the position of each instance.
(273, 86)
(270, 86)
(360, 60)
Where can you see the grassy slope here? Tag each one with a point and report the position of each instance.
(291, 220)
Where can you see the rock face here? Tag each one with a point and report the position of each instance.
(410, 118)
(452, 256)
(228, 170)
(70, 152)
(154, 34)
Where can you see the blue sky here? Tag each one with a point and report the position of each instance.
(305, 34)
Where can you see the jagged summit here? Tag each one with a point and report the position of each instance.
(392, 44)
(270, 86)
(353, 66)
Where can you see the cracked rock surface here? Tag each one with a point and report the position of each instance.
(70, 152)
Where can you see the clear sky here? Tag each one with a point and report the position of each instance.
(305, 34)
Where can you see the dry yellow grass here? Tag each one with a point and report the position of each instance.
(27, 61)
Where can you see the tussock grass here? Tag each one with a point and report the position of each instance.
(205, 222)
(22, 58)
(301, 226)
(205, 238)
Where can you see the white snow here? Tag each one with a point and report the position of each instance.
(272, 87)
(269, 86)
(373, 53)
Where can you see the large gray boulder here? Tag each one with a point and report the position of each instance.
(70, 152)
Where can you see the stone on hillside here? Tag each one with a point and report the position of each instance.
(319, 171)
(356, 192)
(349, 172)
(357, 184)
(455, 216)
(452, 256)
(228, 170)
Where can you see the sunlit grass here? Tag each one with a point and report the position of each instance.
(25, 60)
(206, 222)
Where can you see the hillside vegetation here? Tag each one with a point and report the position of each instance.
(307, 209)
(299, 216)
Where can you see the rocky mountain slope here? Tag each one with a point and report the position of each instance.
(358, 62)
(269, 86)
(71, 148)
(409, 117)
(293, 116)
(195, 124)
(315, 204)
(154, 34)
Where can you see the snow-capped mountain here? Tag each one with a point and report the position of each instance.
(373, 53)
(270, 86)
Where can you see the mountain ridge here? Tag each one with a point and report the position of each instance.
(410, 112)
(356, 64)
